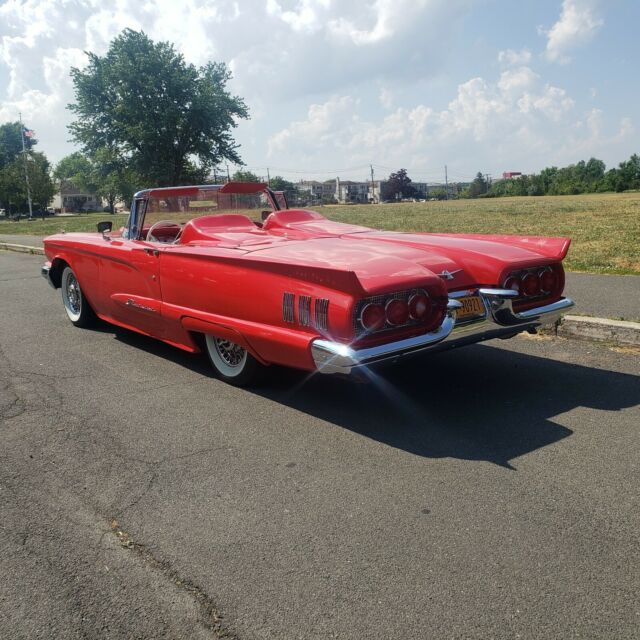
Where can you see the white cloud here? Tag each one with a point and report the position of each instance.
(516, 120)
(512, 58)
(386, 98)
(577, 25)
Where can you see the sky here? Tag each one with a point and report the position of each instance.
(336, 86)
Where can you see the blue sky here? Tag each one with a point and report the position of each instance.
(333, 86)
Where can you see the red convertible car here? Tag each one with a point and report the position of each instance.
(192, 268)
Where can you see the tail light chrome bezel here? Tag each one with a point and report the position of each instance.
(437, 307)
(520, 275)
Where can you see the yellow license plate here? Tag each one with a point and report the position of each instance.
(471, 307)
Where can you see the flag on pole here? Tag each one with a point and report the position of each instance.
(29, 133)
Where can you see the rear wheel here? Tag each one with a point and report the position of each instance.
(75, 304)
(232, 363)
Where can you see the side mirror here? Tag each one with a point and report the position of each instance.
(104, 226)
(265, 214)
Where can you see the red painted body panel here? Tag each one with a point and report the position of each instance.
(228, 277)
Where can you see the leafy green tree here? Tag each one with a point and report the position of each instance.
(245, 176)
(11, 142)
(397, 186)
(77, 169)
(478, 186)
(278, 183)
(168, 121)
(13, 188)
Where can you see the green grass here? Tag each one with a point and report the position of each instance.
(56, 224)
(605, 228)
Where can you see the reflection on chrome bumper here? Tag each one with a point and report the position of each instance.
(499, 320)
(45, 273)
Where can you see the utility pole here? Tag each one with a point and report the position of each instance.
(446, 182)
(228, 177)
(268, 178)
(26, 172)
(215, 176)
(373, 185)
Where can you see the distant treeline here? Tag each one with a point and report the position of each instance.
(583, 177)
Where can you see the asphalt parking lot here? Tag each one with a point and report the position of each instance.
(490, 492)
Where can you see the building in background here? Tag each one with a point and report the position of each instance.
(70, 199)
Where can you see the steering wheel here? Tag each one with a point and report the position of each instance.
(153, 227)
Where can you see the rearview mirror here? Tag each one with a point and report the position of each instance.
(104, 226)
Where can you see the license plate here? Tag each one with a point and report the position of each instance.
(471, 307)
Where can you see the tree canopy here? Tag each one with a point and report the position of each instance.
(245, 176)
(583, 177)
(168, 121)
(13, 188)
(11, 143)
(397, 186)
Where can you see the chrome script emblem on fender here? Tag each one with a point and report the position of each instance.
(448, 275)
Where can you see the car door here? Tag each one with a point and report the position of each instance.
(129, 278)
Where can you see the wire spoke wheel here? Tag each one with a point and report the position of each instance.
(232, 363)
(75, 304)
(232, 354)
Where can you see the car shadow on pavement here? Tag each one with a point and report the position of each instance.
(476, 403)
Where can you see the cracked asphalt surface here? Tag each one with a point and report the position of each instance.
(487, 492)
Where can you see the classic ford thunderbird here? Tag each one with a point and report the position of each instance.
(196, 268)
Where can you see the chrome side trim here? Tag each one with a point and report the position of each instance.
(500, 321)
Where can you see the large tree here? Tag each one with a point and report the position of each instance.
(13, 188)
(168, 121)
(11, 143)
(397, 186)
(103, 174)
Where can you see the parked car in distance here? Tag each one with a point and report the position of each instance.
(195, 268)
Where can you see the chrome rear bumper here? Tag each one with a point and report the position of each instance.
(499, 320)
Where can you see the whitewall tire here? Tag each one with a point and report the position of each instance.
(231, 362)
(74, 301)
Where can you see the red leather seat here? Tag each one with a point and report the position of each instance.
(207, 227)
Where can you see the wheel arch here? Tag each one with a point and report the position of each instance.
(199, 328)
(57, 267)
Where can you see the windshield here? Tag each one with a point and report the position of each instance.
(198, 202)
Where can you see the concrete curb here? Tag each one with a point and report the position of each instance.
(620, 332)
(21, 248)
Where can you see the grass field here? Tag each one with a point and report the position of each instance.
(605, 228)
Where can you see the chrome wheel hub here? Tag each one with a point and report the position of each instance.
(231, 353)
(73, 294)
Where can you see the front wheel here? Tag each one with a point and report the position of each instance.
(75, 304)
(232, 363)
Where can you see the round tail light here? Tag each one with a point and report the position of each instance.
(513, 282)
(548, 280)
(531, 284)
(372, 317)
(419, 306)
(397, 311)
